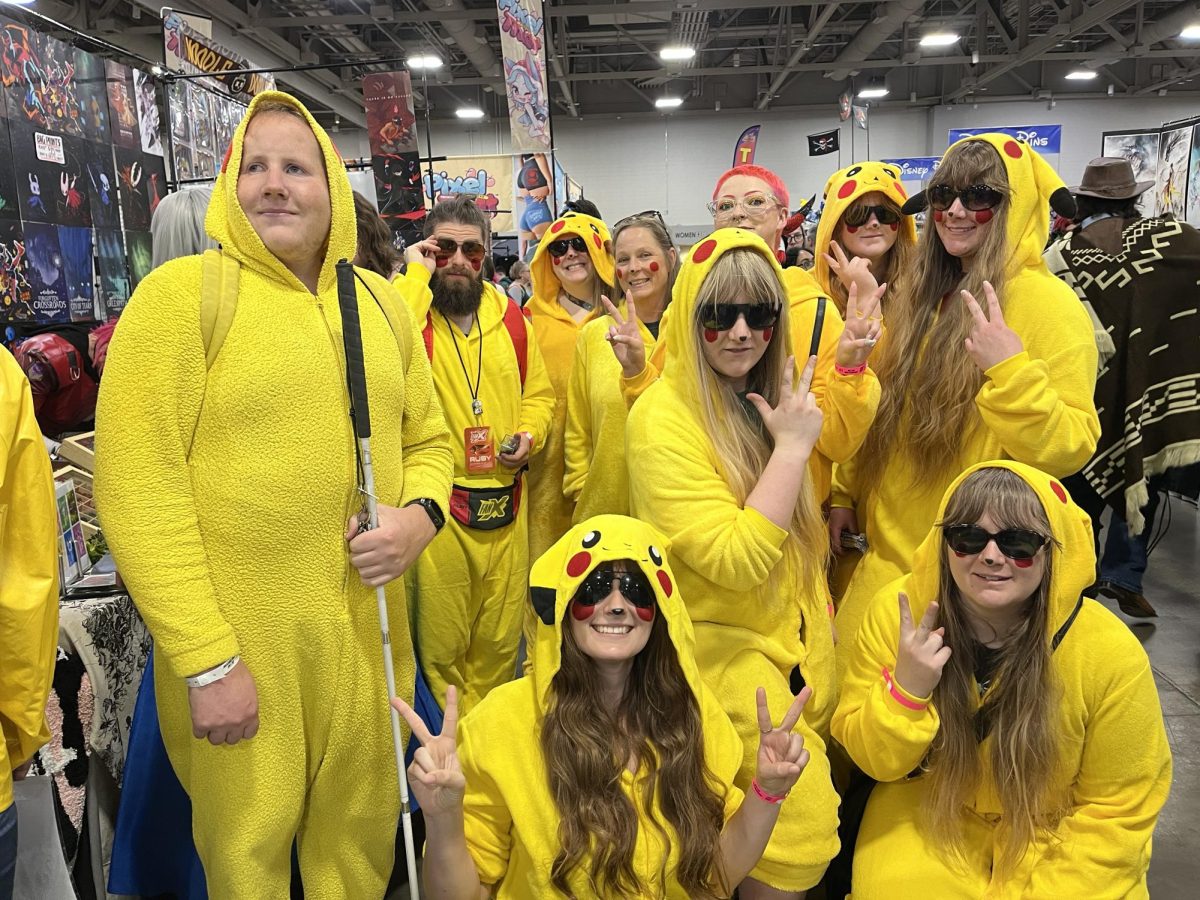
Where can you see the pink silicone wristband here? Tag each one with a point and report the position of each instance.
(900, 698)
(855, 370)
(763, 795)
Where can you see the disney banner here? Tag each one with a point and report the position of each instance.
(915, 171)
(522, 38)
(487, 178)
(1042, 138)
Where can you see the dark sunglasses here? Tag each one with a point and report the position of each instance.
(976, 198)
(723, 316)
(559, 248)
(634, 587)
(644, 214)
(472, 250)
(858, 216)
(1015, 543)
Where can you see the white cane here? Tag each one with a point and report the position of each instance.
(356, 379)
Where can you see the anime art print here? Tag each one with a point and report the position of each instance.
(38, 73)
(1141, 149)
(1174, 148)
(145, 93)
(78, 274)
(1193, 202)
(137, 245)
(52, 185)
(114, 273)
(391, 120)
(16, 298)
(156, 180)
(522, 33)
(133, 189)
(101, 185)
(93, 96)
(181, 129)
(9, 200)
(47, 279)
(122, 109)
(200, 112)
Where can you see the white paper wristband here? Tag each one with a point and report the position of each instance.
(216, 673)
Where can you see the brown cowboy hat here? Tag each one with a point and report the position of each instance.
(1111, 178)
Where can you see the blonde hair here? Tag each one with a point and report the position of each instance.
(924, 358)
(1019, 714)
(739, 435)
(892, 268)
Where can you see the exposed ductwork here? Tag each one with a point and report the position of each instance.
(1162, 29)
(466, 37)
(871, 36)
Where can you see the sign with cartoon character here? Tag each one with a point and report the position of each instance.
(487, 178)
(522, 38)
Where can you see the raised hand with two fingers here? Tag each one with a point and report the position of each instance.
(436, 779)
(991, 340)
(625, 337)
(781, 753)
(856, 270)
(922, 653)
(864, 324)
(796, 420)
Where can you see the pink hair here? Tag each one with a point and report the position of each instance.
(772, 180)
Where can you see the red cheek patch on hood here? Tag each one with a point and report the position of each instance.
(558, 226)
(847, 189)
(704, 251)
(665, 581)
(1013, 149)
(579, 564)
(596, 240)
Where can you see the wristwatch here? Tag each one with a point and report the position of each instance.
(434, 511)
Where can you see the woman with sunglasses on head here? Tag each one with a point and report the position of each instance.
(863, 237)
(646, 263)
(1014, 726)
(988, 356)
(608, 772)
(572, 269)
(719, 450)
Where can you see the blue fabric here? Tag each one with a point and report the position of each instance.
(537, 212)
(431, 714)
(8, 851)
(153, 851)
(1124, 560)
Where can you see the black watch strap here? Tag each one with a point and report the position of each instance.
(432, 509)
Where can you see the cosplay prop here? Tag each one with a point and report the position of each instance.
(360, 417)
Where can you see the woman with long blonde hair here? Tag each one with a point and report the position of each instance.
(987, 356)
(1013, 724)
(609, 771)
(718, 452)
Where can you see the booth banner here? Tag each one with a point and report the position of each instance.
(188, 51)
(487, 178)
(522, 40)
(1141, 149)
(914, 170)
(395, 160)
(1042, 138)
(743, 151)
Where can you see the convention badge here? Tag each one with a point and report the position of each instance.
(480, 451)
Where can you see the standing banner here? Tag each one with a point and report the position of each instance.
(522, 40)
(1045, 139)
(395, 159)
(187, 49)
(914, 170)
(743, 151)
(487, 178)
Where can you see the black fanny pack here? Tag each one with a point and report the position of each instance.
(485, 509)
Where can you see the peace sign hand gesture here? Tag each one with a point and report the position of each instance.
(863, 326)
(781, 753)
(922, 652)
(626, 337)
(435, 776)
(795, 422)
(851, 271)
(991, 340)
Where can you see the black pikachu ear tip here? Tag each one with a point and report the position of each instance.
(543, 599)
(1062, 202)
(914, 204)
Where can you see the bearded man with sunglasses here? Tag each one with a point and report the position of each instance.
(469, 588)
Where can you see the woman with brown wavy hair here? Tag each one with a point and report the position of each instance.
(608, 772)
(1015, 728)
(987, 356)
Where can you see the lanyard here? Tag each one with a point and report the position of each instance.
(476, 404)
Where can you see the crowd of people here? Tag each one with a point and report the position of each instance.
(721, 576)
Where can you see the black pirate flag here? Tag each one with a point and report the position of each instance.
(825, 142)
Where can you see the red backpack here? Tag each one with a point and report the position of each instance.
(514, 321)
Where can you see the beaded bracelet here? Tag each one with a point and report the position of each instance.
(763, 795)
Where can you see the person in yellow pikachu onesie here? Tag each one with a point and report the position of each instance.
(987, 356)
(28, 597)
(1013, 724)
(468, 591)
(614, 734)
(720, 446)
(229, 497)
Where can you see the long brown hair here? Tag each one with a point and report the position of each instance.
(892, 268)
(742, 441)
(1020, 708)
(375, 249)
(924, 359)
(586, 749)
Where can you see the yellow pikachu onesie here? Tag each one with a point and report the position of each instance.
(1035, 407)
(511, 820)
(755, 622)
(224, 496)
(1113, 766)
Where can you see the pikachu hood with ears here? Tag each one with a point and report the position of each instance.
(545, 279)
(226, 223)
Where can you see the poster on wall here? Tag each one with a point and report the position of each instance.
(76, 247)
(395, 160)
(114, 273)
(1193, 201)
(9, 200)
(132, 180)
(533, 181)
(101, 185)
(145, 94)
(52, 186)
(137, 245)
(47, 280)
(1174, 150)
(38, 73)
(16, 298)
(1141, 149)
(122, 110)
(155, 168)
(522, 36)
(93, 96)
(487, 178)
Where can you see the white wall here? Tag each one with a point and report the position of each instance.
(671, 163)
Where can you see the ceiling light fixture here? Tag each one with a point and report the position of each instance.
(425, 61)
(872, 91)
(1191, 33)
(938, 39)
(1082, 75)
(469, 112)
(668, 102)
(676, 53)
